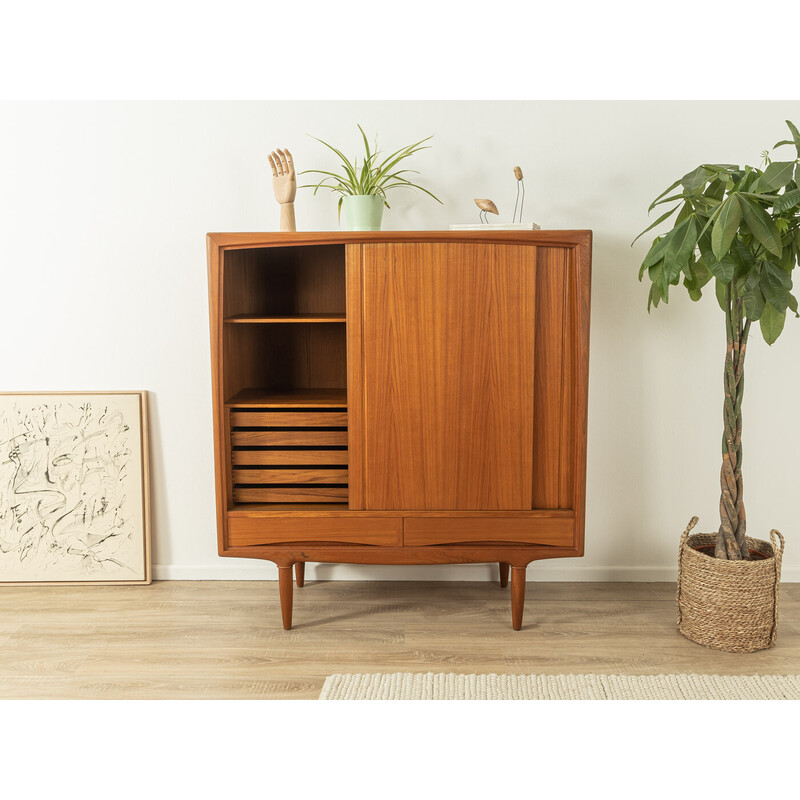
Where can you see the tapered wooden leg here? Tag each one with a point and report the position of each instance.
(517, 596)
(285, 583)
(503, 574)
(300, 572)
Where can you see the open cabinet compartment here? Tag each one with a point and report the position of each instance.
(285, 374)
(279, 282)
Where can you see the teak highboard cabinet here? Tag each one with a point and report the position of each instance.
(400, 398)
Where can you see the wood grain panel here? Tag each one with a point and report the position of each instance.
(266, 530)
(245, 241)
(428, 531)
(313, 494)
(253, 397)
(448, 371)
(265, 458)
(549, 378)
(309, 438)
(290, 476)
(261, 319)
(297, 419)
(570, 382)
(353, 274)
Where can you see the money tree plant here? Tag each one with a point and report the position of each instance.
(740, 228)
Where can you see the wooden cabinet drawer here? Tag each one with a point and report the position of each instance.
(289, 456)
(289, 494)
(244, 531)
(289, 419)
(305, 438)
(453, 530)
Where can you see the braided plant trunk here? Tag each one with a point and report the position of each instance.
(733, 522)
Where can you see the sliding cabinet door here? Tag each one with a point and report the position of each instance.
(448, 362)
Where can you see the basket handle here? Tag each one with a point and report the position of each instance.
(775, 537)
(692, 522)
(684, 538)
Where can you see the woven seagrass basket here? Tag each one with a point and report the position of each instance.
(729, 605)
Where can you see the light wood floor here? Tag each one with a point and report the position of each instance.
(213, 639)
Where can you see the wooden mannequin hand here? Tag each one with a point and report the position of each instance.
(284, 183)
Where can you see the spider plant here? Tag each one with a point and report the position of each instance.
(372, 176)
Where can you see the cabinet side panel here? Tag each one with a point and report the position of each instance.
(551, 284)
(448, 369)
(355, 380)
(215, 300)
(570, 382)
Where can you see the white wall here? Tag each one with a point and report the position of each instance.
(104, 209)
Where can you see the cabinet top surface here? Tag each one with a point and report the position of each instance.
(554, 237)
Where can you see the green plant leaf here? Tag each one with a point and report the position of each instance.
(702, 274)
(710, 220)
(665, 192)
(761, 225)
(657, 222)
(715, 190)
(654, 297)
(366, 141)
(720, 167)
(656, 252)
(721, 269)
(681, 196)
(775, 176)
(349, 168)
(720, 291)
(749, 281)
(771, 322)
(383, 169)
(690, 283)
(745, 255)
(726, 226)
(695, 180)
(795, 137)
(683, 241)
(705, 204)
(753, 303)
(656, 272)
(778, 276)
(687, 210)
(773, 289)
(786, 201)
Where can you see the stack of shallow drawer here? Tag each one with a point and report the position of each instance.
(289, 455)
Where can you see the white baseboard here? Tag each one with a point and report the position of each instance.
(245, 570)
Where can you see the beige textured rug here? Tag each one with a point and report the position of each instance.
(452, 686)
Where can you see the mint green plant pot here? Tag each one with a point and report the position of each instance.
(362, 212)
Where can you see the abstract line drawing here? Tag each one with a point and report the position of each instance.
(73, 488)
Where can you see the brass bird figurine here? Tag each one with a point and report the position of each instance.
(486, 207)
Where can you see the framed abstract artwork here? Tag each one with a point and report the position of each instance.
(74, 499)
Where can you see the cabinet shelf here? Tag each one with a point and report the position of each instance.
(283, 318)
(289, 398)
